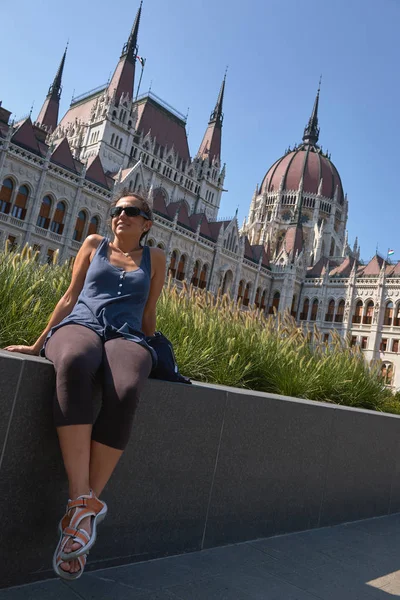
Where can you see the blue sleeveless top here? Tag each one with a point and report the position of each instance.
(112, 300)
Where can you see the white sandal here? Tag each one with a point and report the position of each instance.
(57, 560)
(86, 506)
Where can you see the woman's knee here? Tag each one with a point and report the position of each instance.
(75, 364)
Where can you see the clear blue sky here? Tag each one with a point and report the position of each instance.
(275, 49)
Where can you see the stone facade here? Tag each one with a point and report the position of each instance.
(57, 179)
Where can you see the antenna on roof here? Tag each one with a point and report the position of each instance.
(30, 112)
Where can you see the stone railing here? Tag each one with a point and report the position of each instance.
(207, 465)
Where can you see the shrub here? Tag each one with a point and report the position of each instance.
(215, 341)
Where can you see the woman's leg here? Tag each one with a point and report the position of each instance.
(76, 353)
(126, 367)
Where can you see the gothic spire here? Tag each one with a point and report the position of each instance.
(311, 132)
(48, 114)
(130, 48)
(217, 115)
(210, 147)
(124, 75)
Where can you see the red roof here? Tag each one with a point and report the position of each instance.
(95, 172)
(210, 147)
(62, 156)
(396, 270)
(25, 137)
(163, 125)
(80, 111)
(344, 269)
(374, 266)
(294, 239)
(215, 227)
(307, 163)
(49, 113)
(123, 78)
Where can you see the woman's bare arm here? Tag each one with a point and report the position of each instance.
(158, 260)
(67, 302)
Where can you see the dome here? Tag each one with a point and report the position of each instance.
(307, 162)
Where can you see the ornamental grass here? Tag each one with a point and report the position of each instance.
(214, 339)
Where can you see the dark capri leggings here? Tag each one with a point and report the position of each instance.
(78, 355)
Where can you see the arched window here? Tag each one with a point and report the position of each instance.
(79, 226)
(275, 303)
(330, 311)
(314, 310)
(203, 277)
(19, 208)
(93, 225)
(396, 320)
(196, 273)
(5, 195)
(340, 312)
(161, 245)
(304, 313)
(181, 268)
(246, 295)
(172, 264)
(257, 297)
(120, 144)
(358, 312)
(43, 219)
(388, 313)
(112, 139)
(240, 290)
(369, 311)
(293, 309)
(57, 224)
(387, 373)
(263, 299)
(150, 243)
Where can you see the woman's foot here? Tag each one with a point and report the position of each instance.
(77, 534)
(73, 566)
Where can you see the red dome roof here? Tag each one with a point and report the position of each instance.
(307, 162)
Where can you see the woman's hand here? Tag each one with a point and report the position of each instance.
(24, 349)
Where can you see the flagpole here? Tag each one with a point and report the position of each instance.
(140, 79)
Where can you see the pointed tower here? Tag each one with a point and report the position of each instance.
(311, 132)
(48, 115)
(210, 147)
(124, 75)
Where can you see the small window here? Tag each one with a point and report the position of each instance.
(383, 345)
(19, 208)
(12, 243)
(395, 346)
(50, 256)
(79, 226)
(364, 343)
(5, 195)
(43, 219)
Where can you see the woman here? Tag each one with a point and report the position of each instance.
(100, 323)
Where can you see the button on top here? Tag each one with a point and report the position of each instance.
(121, 276)
(119, 293)
(120, 285)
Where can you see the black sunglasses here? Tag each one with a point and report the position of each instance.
(130, 211)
